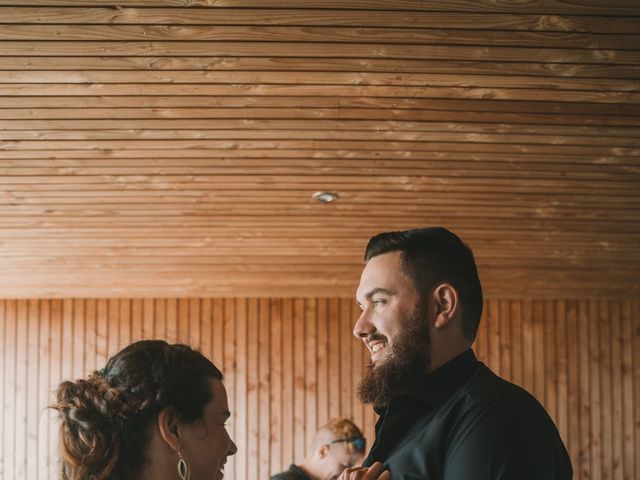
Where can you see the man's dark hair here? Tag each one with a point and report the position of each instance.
(431, 256)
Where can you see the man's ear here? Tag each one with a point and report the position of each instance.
(323, 451)
(447, 304)
(168, 425)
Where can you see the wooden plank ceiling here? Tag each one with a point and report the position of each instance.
(172, 148)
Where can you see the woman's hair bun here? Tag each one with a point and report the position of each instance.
(88, 410)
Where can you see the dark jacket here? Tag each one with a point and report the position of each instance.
(463, 422)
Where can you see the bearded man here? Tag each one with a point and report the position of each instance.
(443, 414)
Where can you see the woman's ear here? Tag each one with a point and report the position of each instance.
(446, 301)
(168, 426)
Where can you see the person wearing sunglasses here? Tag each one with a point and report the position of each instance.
(337, 447)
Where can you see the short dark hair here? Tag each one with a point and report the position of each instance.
(105, 418)
(431, 256)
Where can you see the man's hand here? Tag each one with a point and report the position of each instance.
(374, 472)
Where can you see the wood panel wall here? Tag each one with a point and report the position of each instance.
(291, 364)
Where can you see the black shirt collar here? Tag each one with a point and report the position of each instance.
(438, 386)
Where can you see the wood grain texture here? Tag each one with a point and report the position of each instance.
(171, 149)
(615, 7)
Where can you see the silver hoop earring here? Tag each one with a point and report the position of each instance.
(183, 469)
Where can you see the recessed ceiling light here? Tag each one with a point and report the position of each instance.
(326, 197)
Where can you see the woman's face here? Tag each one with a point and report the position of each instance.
(205, 444)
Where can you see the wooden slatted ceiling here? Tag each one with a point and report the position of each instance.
(171, 148)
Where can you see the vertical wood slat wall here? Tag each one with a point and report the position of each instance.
(291, 364)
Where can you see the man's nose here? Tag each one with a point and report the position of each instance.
(363, 327)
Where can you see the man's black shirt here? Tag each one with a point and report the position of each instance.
(462, 422)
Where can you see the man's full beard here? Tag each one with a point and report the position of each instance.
(408, 360)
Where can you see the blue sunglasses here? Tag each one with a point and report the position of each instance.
(358, 442)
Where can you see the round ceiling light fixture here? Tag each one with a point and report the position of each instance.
(326, 197)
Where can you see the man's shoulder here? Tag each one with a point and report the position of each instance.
(294, 473)
(485, 385)
(493, 411)
(285, 476)
(489, 394)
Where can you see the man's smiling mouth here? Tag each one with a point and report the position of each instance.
(376, 346)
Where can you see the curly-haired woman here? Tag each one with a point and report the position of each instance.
(156, 411)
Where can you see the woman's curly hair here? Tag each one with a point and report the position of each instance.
(105, 418)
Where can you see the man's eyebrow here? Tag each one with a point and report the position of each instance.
(375, 291)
